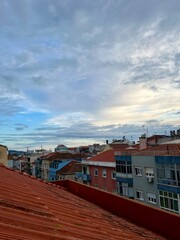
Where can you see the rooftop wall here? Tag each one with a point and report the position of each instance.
(165, 223)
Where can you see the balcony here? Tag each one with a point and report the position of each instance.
(83, 176)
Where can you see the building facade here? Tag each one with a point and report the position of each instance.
(145, 180)
(4, 155)
(99, 172)
(168, 182)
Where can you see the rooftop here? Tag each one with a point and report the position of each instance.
(71, 168)
(107, 156)
(32, 209)
(59, 156)
(166, 149)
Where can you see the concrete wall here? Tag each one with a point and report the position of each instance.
(140, 182)
(165, 223)
(3, 155)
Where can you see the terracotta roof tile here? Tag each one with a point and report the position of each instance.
(30, 209)
(71, 168)
(160, 150)
(107, 156)
(59, 156)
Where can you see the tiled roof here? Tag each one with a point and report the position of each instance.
(31, 209)
(59, 156)
(71, 168)
(155, 137)
(116, 146)
(108, 156)
(160, 150)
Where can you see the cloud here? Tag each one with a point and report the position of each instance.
(20, 126)
(97, 62)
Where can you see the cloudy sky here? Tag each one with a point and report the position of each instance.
(78, 72)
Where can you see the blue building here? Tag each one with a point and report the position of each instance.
(55, 166)
(124, 175)
(168, 182)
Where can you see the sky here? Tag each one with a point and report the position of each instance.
(80, 72)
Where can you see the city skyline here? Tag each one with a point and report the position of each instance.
(80, 72)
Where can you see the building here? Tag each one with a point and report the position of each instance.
(55, 167)
(100, 171)
(21, 163)
(61, 148)
(69, 170)
(144, 180)
(156, 176)
(4, 155)
(32, 209)
(42, 163)
(124, 176)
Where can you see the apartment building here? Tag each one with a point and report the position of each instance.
(156, 176)
(124, 176)
(99, 171)
(144, 180)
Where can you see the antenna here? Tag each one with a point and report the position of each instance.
(144, 130)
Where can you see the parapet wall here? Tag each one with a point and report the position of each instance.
(157, 220)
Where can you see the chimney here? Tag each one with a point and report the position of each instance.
(107, 142)
(143, 142)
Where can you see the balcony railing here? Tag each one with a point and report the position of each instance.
(85, 177)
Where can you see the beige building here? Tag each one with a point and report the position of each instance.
(3, 155)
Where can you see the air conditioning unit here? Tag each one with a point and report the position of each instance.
(149, 179)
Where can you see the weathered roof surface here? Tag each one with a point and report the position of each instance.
(59, 156)
(107, 156)
(31, 209)
(71, 168)
(160, 150)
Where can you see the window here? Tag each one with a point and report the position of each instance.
(138, 171)
(85, 170)
(140, 195)
(113, 174)
(104, 188)
(96, 185)
(123, 167)
(125, 189)
(169, 201)
(104, 172)
(151, 198)
(168, 174)
(95, 172)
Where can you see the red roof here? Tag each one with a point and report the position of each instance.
(116, 146)
(107, 156)
(160, 150)
(31, 209)
(71, 168)
(59, 156)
